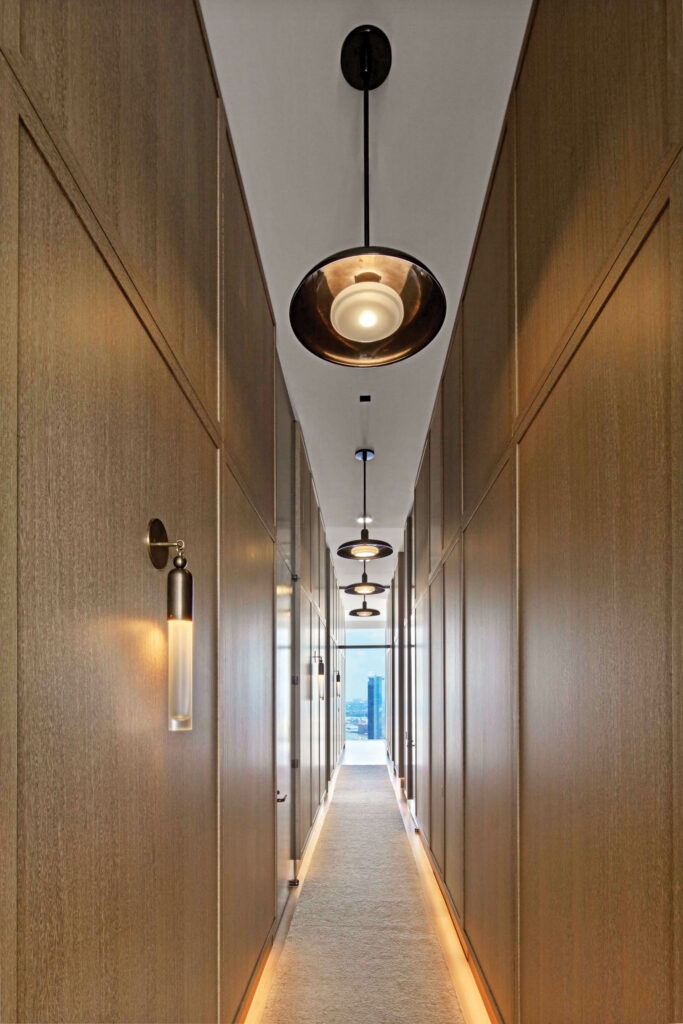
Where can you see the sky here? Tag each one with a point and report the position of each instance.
(361, 664)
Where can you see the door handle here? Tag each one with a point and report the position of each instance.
(280, 799)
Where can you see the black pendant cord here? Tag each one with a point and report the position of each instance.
(365, 514)
(366, 142)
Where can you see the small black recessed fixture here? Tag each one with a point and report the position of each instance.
(365, 398)
(364, 612)
(371, 305)
(365, 588)
(365, 548)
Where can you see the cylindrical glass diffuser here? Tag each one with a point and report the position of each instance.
(180, 630)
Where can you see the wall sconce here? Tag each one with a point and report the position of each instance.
(180, 625)
(321, 676)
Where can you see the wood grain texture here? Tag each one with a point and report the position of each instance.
(284, 605)
(322, 562)
(248, 351)
(422, 780)
(315, 714)
(594, 123)
(284, 469)
(437, 746)
(436, 484)
(421, 525)
(490, 783)
(451, 390)
(304, 798)
(303, 512)
(454, 867)
(409, 657)
(247, 790)
(129, 88)
(117, 816)
(488, 339)
(596, 729)
(315, 550)
(401, 664)
(9, 276)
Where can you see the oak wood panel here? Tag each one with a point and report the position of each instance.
(117, 816)
(422, 716)
(488, 342)
(436, 484)
(322, 707)
(401, 717)
(421, 525)
(315, 714)
(594, 122)
(284, 637)
(438, 736)
(9, 254)
(490, 784)
(247, 771)
(595, 613)
(315, 550)
(322, 561)
(454, 868)
(303, 809)
(248, 350)
(130, 90)
(452, 438)
(284, 468)
(409, 657)
(303, 512)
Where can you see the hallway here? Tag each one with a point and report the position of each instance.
(359, 913)
(342, 600)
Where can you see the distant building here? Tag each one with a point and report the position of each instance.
(375, 707)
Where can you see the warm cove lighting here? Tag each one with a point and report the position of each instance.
(366, 311)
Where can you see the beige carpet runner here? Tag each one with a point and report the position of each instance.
(362, 948)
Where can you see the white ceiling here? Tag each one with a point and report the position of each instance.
(297, 129)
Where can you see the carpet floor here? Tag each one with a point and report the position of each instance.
(362, 947)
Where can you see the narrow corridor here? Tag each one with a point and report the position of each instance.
(360, 910)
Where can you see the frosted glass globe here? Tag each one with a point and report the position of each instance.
(366, 311)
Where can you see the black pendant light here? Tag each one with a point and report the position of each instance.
(364, 588)
(365, 548)
(364, 612)
(367, 306)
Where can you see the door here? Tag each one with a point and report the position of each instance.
(283, 730)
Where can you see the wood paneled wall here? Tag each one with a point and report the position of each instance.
(139, 380)
(319, 709)
(559, 432)
(246, 729)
